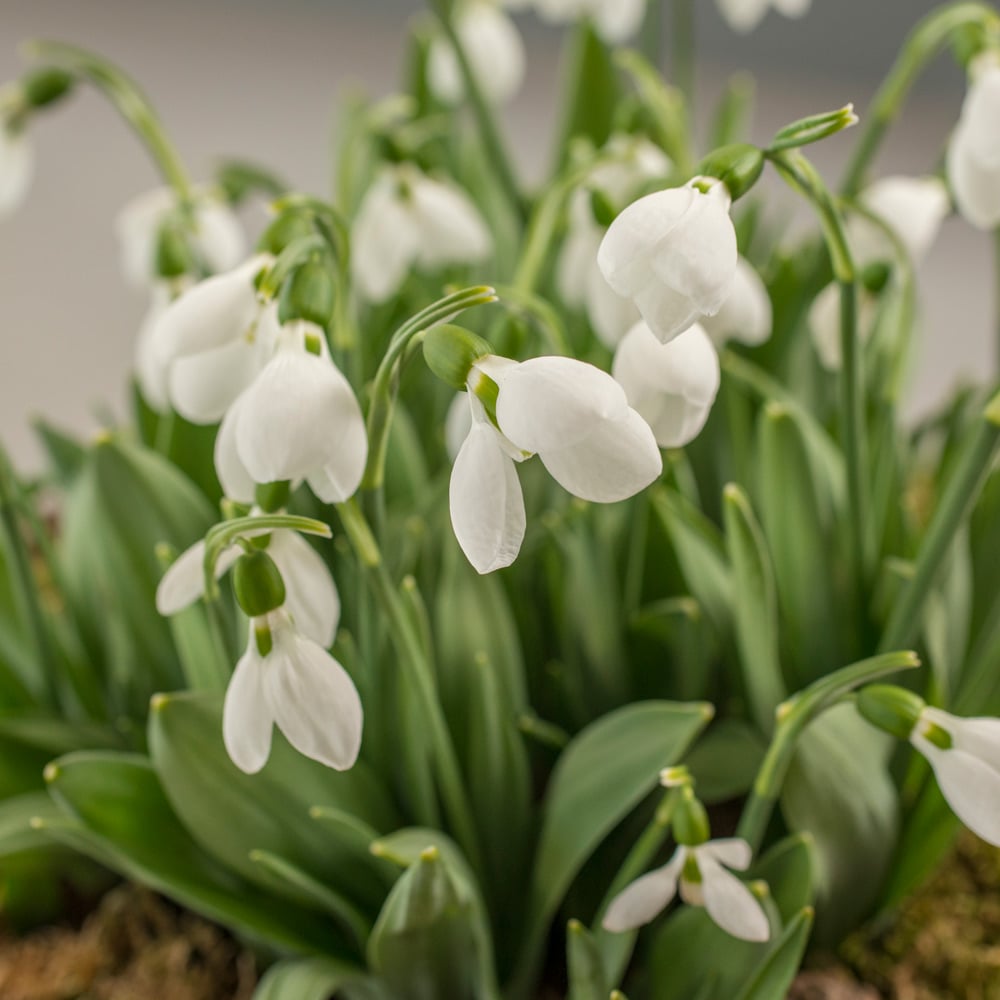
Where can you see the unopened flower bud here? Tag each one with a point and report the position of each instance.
(451, 351)
(258, 584)
(738, 167)
(172, 257)
(892, 709)
(308, 294)
(44, 86)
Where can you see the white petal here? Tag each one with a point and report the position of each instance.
(733, 852)
(730, 903)
(451, 229)
(338, 480)
(457, 424)
(551, 402)
(136, 227)
(978, 736)
(743, 15)
(618, 20)
(610, 314)
(667, 312)
(236, 481)
(203, 386)
(184, 581)
(486, 503)
(914, 207)
(312, 599)
(384, 240)
(220, 237)
(615, 461)
(645, 898)
(246, 715)
(578, 256)
(17, 163)
(975, 185)
(746, 314)
(150, 371)
(980, 112)
(313, 699)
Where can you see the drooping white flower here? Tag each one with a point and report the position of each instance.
(409, 220)
(298, 419)
(965, 756)
(287, 680)
(218, 239)
(745, 15)
(974, 151)
(311, 593)
(493, 47)
(210, 343)
(703, 881)
(16, 167)
(672, 386)
(913, 207)
(746, 315)
(824, 324)
(575, 417)
(674, 254)
(627, 162)
(615, 20)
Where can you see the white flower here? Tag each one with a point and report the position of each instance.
(286, 679)
(965, 756)
(575, 417)
(493, 47)
(745, 15)
(16, 167)
(298, 419)
(615, 20)
(218, 239)
(674, 254)
(211, 342)
(913, 207)
(824, 324)
(703, 882)
(311, 594)
(974, 150)
(408, 220)
(630, 161)
(672, 386)
(746, 315)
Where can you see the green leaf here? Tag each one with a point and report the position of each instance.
(774, 976)
(674, 649)
(789, 869)
(17, 813)
(754, 607)
(725, 760)
(587, 980)
(65, 454)
(305, 979)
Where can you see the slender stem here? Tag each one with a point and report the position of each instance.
(411, 650)
(996, 296)
(682, 48)
(923, 43)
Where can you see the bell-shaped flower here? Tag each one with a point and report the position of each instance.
(409, 220)
(912, 207)
(615, 20)
(493, 47)
(674, 254)
(627, 162)
(575, 417)
(745, 15)
(699, 874)
(298, 419)
(965, 756)
(285, 679)
(218, 241)
(311, 598)
(672, 386)
(746, 315)
(211, 342)
(824, 324)
(974, 151)
(16, 167)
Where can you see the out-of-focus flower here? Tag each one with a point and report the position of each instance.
(824, 324)
(745, 15)
(672, 386)
(615, 20)
(746, 315)
(16, 167)
(409, 220)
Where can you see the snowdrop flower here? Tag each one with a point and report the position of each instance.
(674, 254)
(615, 20)
(285, 679)
(703, 881)
(965, 756)
(630, 161)
(218, 239)
(298, 419)
(746, 315)
(16, 167)
(575, 417)
(672, 386)
(912, 207)
(974, 151)
(408, 220)
(311, 599)
(493, 47)
(824, 323)
(210, 343)
(745, 15)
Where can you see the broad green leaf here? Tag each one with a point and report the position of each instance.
(774, 975)
(305, 979)
(755, 608)
(725, 760)
(788, 868)
(17, 832)
(587, 980)
(673, 649)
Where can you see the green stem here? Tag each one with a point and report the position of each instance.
(996, 295)
(923, 43)
(131, 103)
(410, 648)
(682, 49)
(959, 495)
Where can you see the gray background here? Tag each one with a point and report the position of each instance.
(260, 79)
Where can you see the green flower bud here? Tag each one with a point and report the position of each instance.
(890, 708)
(737, 166)
(286, 228)
(308, 294)
(875, 277)
(815, 127)
(44, 86)
(272, 497)
(691, 826)
(258, 584)
(173, 256)
(451, 351)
